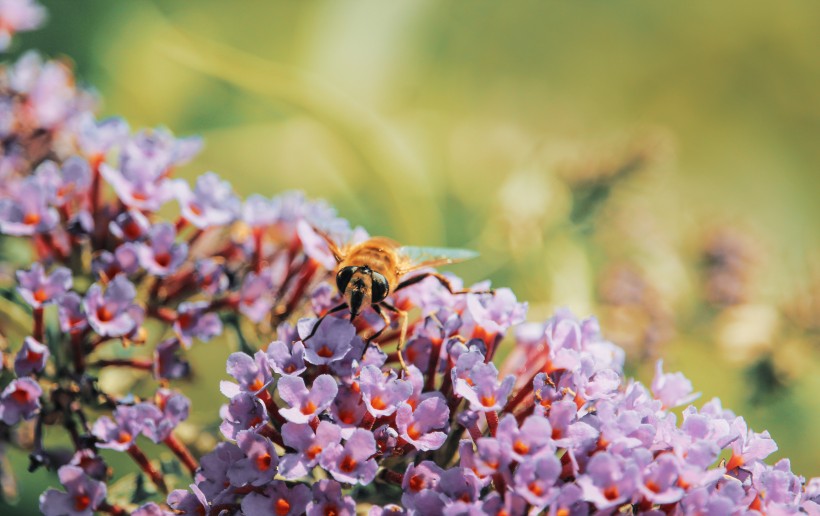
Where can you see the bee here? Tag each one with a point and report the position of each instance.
(366, 273)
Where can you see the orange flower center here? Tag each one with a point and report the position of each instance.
(195, 209)
(313, 451)
(535, 489)
(20, 395)
(346, 417)
(413, 431)
(488, 401)
(348, 464)
(163, 259)
(308, 408)
(263, 462)
(81, 502)
(124, 437)
(104, 314)
(331, 510)
(734, 462)
(40, 295)
(282, 507)
(562, 512)
(416, 483)
(290, 368)
(378, 403)
(520, 447)
(132, 230)
(556, 433)
(31, 218)
(257, 384)
(611, 493)
(325, 352)
(652, 486)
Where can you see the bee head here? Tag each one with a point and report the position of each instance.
(361, 287)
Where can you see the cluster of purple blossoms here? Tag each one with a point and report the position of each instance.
(330, 424)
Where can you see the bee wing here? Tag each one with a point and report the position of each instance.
(414, 258)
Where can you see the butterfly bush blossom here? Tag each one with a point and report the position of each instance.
(330, 424)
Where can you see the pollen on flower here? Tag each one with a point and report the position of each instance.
(652, 486)
(488, 401)
(313, 451)
(378, 403)
(611, 493)
(124, 437)
(40, 295)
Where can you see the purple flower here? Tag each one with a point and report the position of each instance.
(162, 256)
(151, 509)
(352, 463)
(194, 321)
(141, 180)
(331, 342)
(96, 138)
(259, 465)
(211, 203)
(420, 426)
(211, 276)
(112, 313)
(253, 374)
(534, 436)
(258, 211)
(67, 184)
(328, 499)
(482, 389)
(255, 296)
(460, 484)
(348, 409)
(39, 289)
(18, 16)
(194, 502)
(20, 400)
(130, 226)
(82, 497)
(167, 363)
(286, 360)
(212, 477)
(382, 394)
(673, 389)
(536, 477)
(70, 313)
(120, 432)
(660, 480)
(309, 447)
(497, 312)
(124, 259)
(31, 358)
(750, 446)
(244, 412)
(419, 482)
(306, 404)
(278, 499)
(170, 410)
(609, 481)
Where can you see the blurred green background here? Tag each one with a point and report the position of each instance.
(653, 163)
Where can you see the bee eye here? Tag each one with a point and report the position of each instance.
(379, 287)
(343, 277)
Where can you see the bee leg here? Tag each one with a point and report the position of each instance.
(403, 335)
(322, 318)
(444, 282)
(375, 336)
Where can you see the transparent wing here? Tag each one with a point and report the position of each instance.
(419, 257)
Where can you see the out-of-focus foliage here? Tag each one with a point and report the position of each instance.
(653, 163)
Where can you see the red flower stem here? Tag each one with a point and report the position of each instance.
(475, 433)
(182, 453)
(257, 250)
(38, 325)
(394, 477)
(149, 469)
(273, 408)
(492, 421)
(271, 433)
(500, 484)
(135, 363)
(181, 223)
(108, 508)
(308, 271)
(196, 236)
(163, 313)
(521, 416)
(368, 420)
(78, 352)
(520, 396)
(314, 424)
(432, 365)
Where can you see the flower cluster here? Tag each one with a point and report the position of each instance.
(318, 416)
